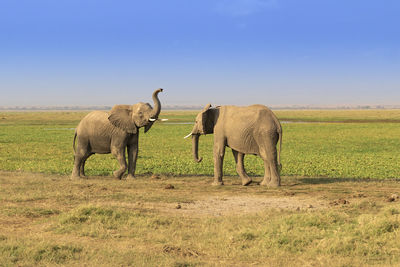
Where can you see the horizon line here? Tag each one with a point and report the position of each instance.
(194, 107)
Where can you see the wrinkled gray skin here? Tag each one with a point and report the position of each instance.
(101, 132)
(246, 130)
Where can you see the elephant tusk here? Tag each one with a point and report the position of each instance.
(187, 136)
(152, 119)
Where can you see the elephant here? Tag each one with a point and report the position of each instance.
(246, 130)
(114, 132)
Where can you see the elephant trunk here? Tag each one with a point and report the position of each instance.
(156, 110)
(157, 104)
(195, 147)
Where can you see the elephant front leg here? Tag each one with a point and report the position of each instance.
(120, 155)
(239, 159)
(219, 152)
(132, 158)
(133, 150)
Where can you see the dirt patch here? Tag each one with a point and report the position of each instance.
(220, 206)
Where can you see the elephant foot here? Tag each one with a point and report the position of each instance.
(217, 183)
(130, 177)
(270, 183)
(246, 181)
(265, 182)
(75, 177)
(118, 175)
(274, 183)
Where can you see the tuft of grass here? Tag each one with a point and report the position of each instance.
(94, 222)
(29, 212)
(11, 253)
(58, 254)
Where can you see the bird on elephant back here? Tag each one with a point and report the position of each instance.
(246, 130)
(114, 132)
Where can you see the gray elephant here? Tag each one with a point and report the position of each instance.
(246, 130)
(114, 132)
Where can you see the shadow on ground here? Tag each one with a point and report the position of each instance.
(310, 180)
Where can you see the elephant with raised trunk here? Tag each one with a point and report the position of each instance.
(114, 132)
(246, 130)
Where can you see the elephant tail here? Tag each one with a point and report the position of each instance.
(280, 145)
(73, 144)
(279, 130)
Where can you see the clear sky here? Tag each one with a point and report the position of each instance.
(273, 52)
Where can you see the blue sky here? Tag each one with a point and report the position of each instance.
(273, 52)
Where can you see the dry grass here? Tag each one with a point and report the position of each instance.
(50, 220)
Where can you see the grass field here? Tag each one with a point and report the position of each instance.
(42, 142)
(337, 206)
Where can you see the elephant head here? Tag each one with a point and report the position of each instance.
(204, 124)
(131, 117)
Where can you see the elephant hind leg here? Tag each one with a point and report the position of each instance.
(239, 159)
(82, 168)
(267, 173)
(81, 152)
(271, 176)
(77, 166)
(79, 162)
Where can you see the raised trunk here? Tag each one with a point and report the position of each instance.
(156, 109)
(195, 147)
(157, 104)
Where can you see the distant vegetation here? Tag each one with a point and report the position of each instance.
(199, 107)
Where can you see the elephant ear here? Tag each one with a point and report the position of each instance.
(207, 120)
(121, 117)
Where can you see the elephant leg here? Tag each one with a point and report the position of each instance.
(269, 155)
(267, 173)
(219, 152)
(133, 150)
(77, 165)
(82, 169)
(239, 159)
(119, 153)
(80, 153)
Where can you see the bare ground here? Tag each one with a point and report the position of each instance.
(236, 205)
(192, 196)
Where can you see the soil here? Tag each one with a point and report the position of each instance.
(220, 206)
(296, 194)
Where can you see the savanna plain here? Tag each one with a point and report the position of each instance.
(338, 204)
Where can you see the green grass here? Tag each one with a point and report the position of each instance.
(375, 115)
(42, 142)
